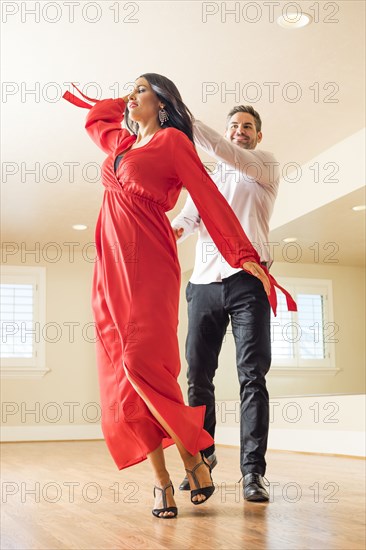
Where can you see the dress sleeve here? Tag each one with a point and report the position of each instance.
(104, 119)
(103, 124)
(220, 220)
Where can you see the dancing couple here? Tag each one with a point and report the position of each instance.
(136, 281)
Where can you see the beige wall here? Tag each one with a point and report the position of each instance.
(349, 314)
(73, 375)
(332, 424)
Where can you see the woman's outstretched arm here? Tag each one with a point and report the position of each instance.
(220, 220)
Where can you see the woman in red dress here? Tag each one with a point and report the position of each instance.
(137, 279)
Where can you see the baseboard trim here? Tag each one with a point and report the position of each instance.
(342, 442)
(50, 433)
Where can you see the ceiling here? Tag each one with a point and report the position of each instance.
(235, 60)
(332, 235)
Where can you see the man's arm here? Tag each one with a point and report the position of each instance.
(259, 165)
(188, 219)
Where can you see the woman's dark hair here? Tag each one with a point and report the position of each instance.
(180, 116)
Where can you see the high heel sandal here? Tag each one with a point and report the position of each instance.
(205, 491)
(157, 511)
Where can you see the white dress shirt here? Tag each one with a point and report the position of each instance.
(248, 179)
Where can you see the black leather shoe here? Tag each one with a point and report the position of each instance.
(210, 460)
(184, 486)
(254, 489)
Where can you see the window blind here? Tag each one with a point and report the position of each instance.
(16, 320)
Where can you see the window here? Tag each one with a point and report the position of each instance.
(22, 314)
(304, 339)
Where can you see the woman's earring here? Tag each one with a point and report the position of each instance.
(163, 116)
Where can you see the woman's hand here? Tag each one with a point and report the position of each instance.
(125, 98)
(178, 232)
(256, 270)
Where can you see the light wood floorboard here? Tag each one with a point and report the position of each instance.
(83, 502)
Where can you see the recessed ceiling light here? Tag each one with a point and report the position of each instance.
(359, 207)
(294, 20)
(290, 240)
(79, 227)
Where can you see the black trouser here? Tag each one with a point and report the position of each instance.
(241, 299)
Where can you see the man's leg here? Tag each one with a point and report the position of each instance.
(207, 323)
(250, 318)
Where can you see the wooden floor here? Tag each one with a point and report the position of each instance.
(69, 495)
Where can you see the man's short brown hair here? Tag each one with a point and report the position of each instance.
(246, 109)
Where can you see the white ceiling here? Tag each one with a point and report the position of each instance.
(170, 38)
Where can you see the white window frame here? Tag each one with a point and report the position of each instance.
(297, 366)
(35, 367)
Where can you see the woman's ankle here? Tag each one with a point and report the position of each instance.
(162, 479)
(191, 461)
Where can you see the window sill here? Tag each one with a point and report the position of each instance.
(301, 371)
(22, 372)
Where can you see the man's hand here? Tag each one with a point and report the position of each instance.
(255, 269)
(178, 232)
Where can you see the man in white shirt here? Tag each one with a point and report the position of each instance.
(218, 293)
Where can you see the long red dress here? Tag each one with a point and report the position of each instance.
(137, 280)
